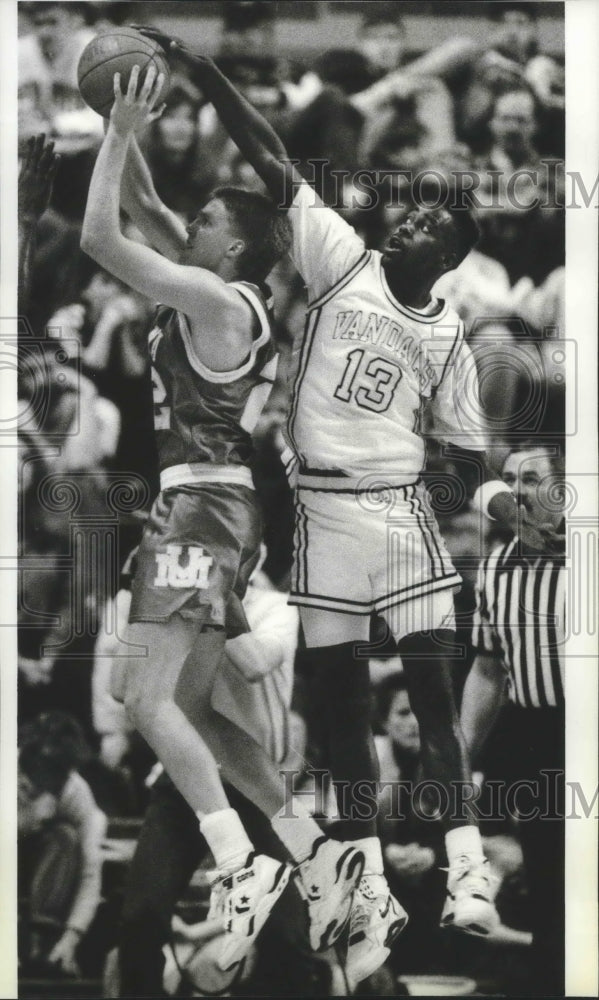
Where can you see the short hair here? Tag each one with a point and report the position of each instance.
(263, 226)
(382, 13)
(552, 448)
(50, 747)
(466, 229)
(522, 87)
(498, 10)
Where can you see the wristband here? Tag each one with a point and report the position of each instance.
(485, 494)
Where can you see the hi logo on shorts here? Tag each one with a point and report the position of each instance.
(172, 574)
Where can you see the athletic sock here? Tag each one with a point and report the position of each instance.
(373, 854)
(464, 841)
(341, 700)
(297, 830)
(227, 839)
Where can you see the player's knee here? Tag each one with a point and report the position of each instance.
(142, 702)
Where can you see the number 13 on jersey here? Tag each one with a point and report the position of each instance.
(369, 383)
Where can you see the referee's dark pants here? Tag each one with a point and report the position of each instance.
(536, 738)
(169, 849)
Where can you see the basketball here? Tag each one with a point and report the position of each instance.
(117, 52)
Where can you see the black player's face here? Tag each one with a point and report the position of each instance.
(424, 237)
(209, 237)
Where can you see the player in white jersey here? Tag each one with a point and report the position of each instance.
(376, 348)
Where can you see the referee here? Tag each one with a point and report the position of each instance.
(518, 637)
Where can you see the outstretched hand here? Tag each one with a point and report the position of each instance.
(36, 177)
(133, 110)
(170, 43)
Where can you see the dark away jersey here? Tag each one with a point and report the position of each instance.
(201, 416)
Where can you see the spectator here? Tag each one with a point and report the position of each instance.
(183, 165)
(412, 838)
(511, 58)
(513, 126)
(48, 59)
(60, 835)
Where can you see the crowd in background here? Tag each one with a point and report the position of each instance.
(87, 470)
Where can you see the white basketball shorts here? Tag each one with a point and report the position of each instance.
(368, 546)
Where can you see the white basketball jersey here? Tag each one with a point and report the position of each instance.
(368, 366)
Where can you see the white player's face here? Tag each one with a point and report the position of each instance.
(520, 34)
(424, 235)
(513, 123)
(384, 46)
(402, 725)
(178, 129)
(209, 237)
(532, 478)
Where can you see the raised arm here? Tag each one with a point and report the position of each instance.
(147, 211)
(255, 138)
(36, 178)
(190, 289)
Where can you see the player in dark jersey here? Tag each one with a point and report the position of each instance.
(213, 365)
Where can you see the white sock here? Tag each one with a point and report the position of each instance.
(298, 831)
(464, 840)
(371, 846)
(226, 838)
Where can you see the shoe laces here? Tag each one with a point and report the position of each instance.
(473, 876)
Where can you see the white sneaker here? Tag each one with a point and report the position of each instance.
(326, 880)
(470, 903)
(243, 901)
(375, 920)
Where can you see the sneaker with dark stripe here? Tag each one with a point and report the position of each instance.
(243, 902)
(327, 880)
(376, 920)
(470, 903)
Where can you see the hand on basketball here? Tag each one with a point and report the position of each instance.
(133, 110)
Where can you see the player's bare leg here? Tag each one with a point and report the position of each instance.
(327, 870)
(341, 699)
(153, 703)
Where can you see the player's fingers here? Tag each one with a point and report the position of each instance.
(132, 88)
(157, 113)
(116, 82)
(28, 153)
(157, 90)
(38, 148)
(46, 156)
(148, 83)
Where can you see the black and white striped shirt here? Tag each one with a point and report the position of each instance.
(520, 617)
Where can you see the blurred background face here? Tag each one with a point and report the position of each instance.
(513, 122)
(383, 45)
(34, 807)
(177, 129)
(53, 24)
(531, 475)
(520, 34)
(401, 724)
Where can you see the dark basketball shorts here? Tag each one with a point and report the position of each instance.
(198, 551)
